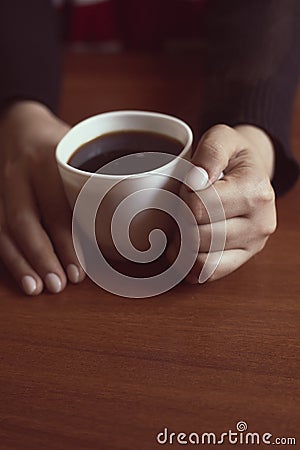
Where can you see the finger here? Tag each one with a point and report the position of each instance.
(219, 265)
(25, 228)
(235, 233)
(242, 192)
(216, 147)
(208, 206)
(57, 219)
(17, 265)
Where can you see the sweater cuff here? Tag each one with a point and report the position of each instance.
(286, 170)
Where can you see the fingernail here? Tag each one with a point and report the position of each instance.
(73, 273)
(53, 283)
(197, 178)
(28, 284)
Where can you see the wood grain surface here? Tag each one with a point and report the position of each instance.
(89, 370)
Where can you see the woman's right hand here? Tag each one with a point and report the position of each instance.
(35, 218)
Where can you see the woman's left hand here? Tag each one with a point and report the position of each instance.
(245, 155)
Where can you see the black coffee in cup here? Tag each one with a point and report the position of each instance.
(107, 148)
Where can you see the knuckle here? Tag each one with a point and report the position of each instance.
(198, 209)
(258, 193)
(266, 192)
(220, 128)
(259, 232)
(269, 226)
(214, 138)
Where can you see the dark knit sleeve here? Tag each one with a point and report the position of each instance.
(252, 61)
(29, 52)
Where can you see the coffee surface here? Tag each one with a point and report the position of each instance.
(143, 147)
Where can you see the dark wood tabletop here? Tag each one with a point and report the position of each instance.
(89, 370)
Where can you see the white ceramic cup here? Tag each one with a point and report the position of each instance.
(118, 187)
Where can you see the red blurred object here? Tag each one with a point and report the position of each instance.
(137, 24)
(92, 23)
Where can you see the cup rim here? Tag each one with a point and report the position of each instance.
(121, 113)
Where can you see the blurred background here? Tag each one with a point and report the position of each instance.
(102, 41)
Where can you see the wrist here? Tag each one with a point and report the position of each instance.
(262, 145)
(30, 124)
(23, 109)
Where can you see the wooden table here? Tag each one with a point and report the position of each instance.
(89, 370)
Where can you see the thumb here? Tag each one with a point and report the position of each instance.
(216, 147)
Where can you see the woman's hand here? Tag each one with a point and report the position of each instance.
(245, 155)
(35, 218)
